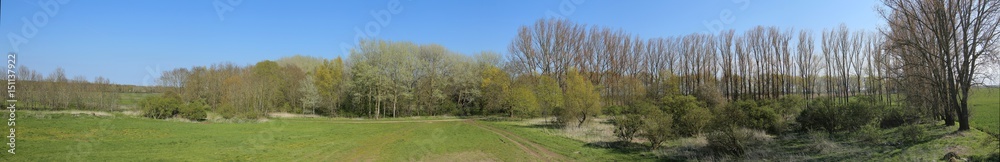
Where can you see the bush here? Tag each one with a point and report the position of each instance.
(627, 126)
(614, 110)
(690, 117)
(789, 106)
(747, 113)
(160, 107)
(823, 114)
(193, 111)
(735, 141)
(732, 115)
(679, 105)
(656, 128)
(858, 114)
(694, 122)
(763, 117)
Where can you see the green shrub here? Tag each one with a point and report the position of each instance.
(858, 114)
(747, 113)
(656, 128)
(735, 141)
(825, 115)
(764, 118)
(821, 114)
(614, 110)
(193, 111)
(680, 105)
(732, 115)
(160, 107)
(789, 105)
(694, 122)
(689, 114)
(627, 126)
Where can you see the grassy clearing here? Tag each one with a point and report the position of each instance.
(985, 106)
(66, 137)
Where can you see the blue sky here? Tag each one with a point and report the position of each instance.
(130, 42)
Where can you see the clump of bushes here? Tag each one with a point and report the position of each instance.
(627, 126)
(161, 107)
(696, 121)
(735, 141)
(690, 115)
(170, 105)
(193, 111)
(657, 128)
(673, 116)
(823, 114)
(764, 118)
(629, 120)
(747, 113)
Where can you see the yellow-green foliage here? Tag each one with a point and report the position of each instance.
(328, 78)
(690, 117)
(549, 95)
(695, 121)
(581, 99)
(495, 85)
(523, 101)
(657, 127)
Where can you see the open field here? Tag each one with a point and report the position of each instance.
(985, 106)
(66, 137)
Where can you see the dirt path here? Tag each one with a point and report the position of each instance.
(538, 151)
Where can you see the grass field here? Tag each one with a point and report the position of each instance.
(985, 106)
(63, 137)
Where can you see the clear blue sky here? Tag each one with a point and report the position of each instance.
(130, 41)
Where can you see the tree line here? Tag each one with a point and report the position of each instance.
(927, 57)
(57, 91)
